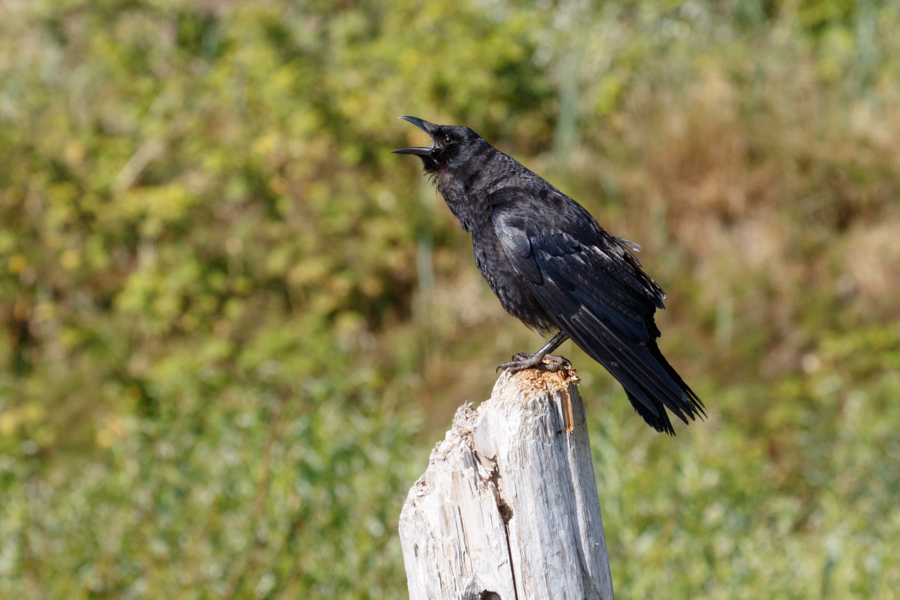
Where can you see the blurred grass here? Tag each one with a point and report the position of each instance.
(232, 324)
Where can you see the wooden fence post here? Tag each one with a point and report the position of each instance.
(508, 508)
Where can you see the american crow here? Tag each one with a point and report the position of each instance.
(554, 267)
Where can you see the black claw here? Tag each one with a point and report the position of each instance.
(558, 360)
(523, 360)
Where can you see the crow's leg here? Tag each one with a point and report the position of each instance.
(523, 360)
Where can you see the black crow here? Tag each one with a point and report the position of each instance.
(555, 268)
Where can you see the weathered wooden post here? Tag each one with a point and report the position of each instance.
(508, 508)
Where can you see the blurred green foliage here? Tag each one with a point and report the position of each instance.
(232, 324)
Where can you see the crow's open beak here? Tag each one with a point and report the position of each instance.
(424, 126)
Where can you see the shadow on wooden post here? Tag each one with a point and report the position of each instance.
(508, 508)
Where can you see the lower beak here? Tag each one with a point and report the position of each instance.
(416, 151)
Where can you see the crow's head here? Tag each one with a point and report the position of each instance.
(451, 147)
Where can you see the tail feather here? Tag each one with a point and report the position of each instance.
(651, 383)
(688, 402)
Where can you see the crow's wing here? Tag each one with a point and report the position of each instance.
(597, 293)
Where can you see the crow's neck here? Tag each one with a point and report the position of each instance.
(467, 190)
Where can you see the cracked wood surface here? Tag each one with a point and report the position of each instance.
(508, 509)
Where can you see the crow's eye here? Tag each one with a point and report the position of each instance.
(448, 139)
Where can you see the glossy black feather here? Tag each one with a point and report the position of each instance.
(598, 295)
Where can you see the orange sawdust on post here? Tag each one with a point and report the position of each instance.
(555, 382)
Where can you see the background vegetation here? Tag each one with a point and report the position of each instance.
(232, 324)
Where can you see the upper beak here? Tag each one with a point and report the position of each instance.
(424, 126)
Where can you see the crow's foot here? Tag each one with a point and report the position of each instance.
(546, 362)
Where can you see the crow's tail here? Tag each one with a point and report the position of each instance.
(650, 382)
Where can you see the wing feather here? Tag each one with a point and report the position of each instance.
(598, 295)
